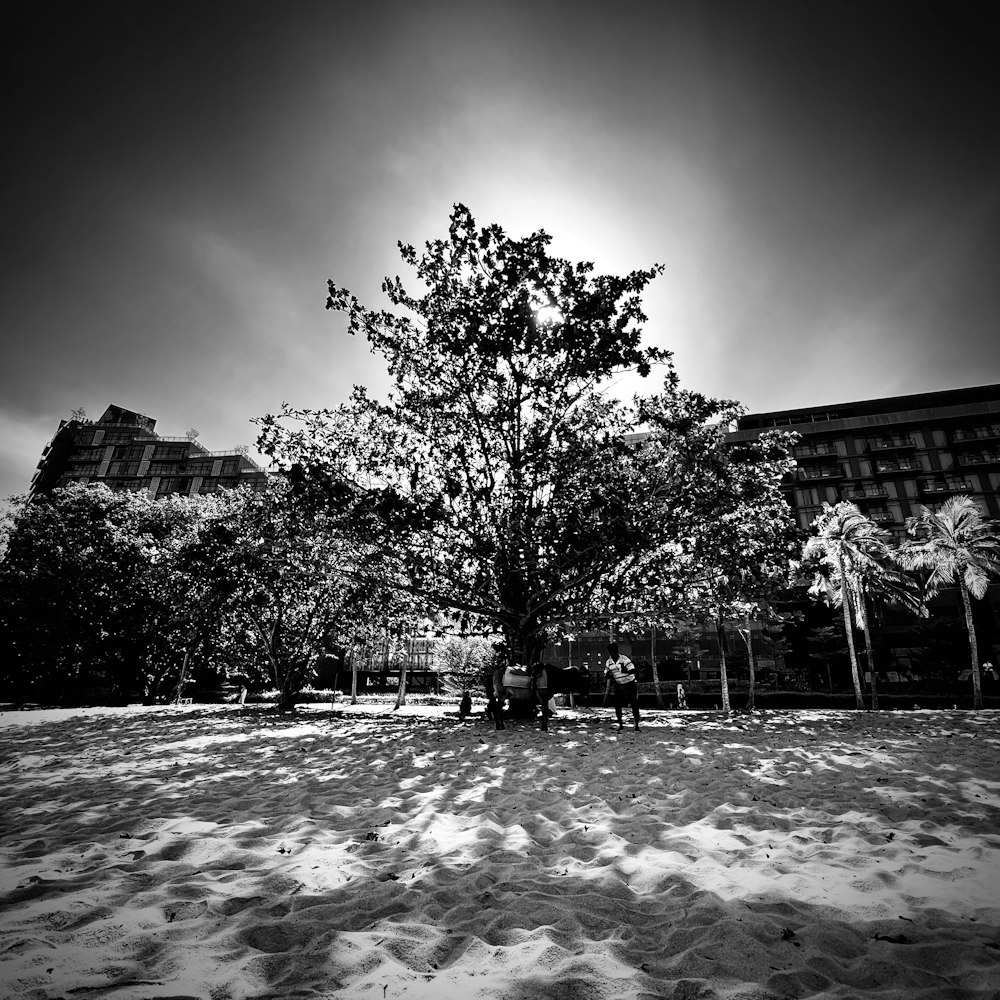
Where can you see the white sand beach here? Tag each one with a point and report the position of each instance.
(219, 853)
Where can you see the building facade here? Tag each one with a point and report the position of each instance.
(123, 451)
(892, 456)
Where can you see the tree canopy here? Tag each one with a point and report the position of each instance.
(499, 469)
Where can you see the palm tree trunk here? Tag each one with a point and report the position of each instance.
(720, 631)
(354, 676)
(656, 675)
(871, 661)
(849, 630)
(977, 686)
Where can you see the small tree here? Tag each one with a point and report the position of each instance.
(955, 545)
(88, 589)
(734, 539)
(287, 576)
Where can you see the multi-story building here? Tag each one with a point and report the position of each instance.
(892, 456)
(889, 456)
(123, 451)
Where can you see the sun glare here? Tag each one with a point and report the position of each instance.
(547, 315)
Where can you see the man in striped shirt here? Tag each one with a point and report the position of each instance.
(620, 672)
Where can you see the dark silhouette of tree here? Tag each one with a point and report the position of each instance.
(497, 470)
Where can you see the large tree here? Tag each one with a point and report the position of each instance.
(955, 545)
(500, 469)
(497, 467)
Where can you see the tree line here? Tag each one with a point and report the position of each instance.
(499, 486)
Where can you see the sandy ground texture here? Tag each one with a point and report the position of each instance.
(220, 853)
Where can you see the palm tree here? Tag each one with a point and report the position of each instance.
(955, 544)
(856, 564)
(882, 583)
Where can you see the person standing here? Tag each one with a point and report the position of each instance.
(620, 673)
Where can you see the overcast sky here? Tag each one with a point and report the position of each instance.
(821, 181)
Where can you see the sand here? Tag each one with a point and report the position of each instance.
(223, 853)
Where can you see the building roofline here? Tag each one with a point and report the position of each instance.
(870, 407)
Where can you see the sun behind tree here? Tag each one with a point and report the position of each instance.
(498, 471)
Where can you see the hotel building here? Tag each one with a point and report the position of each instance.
(892, 456)
(123, 451)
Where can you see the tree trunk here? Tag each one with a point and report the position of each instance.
(849, 630)
(569, 666)
(720, 631)
(656, 673)
(977, 685)
(403, 669)
(526, 647)
(748, 639)
(282, 678)
(871, 659)
(287, 698)
(179, 690)
(494, 705)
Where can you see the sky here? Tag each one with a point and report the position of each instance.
(821, 182)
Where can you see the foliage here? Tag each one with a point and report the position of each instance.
(285, 580)
(498, 470)
(484, 464)
(466, 658)
(955, 545)
(726, 538)
(86, 598)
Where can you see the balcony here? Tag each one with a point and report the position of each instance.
(825, 472)
(820, 451)
(978, 458)
(882, 516)
(939, 488)
(892, 443)
(904, 466)
(975, 434)
(871, 493)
